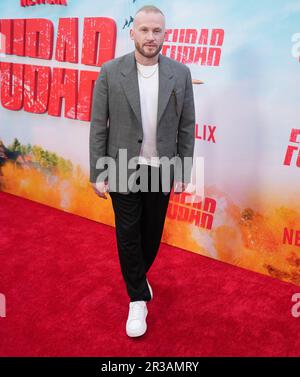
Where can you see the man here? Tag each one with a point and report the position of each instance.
(143, 104)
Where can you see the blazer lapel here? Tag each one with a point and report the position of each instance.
(130, 85)
(166, 85)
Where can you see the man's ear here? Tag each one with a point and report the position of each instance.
(131, 33)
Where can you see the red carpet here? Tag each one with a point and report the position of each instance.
(66, 297)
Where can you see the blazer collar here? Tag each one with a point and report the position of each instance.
(131, 88)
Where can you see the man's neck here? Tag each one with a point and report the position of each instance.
(145, 61)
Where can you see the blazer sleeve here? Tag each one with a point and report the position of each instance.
(186, 129)
(99, 123)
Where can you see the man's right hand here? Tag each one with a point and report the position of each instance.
(101, 188)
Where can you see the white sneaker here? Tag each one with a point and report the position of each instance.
(136, 323)
(150, 289)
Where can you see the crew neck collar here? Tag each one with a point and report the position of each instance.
(143, 65)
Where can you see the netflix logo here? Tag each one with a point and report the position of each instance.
(293, 149)
(291, 237)
(202, 47)
(40, 88)
(205, 133)
(29, 3)
(199, 213)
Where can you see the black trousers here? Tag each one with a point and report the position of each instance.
(139, 220)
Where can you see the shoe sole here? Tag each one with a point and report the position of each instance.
(150, 289)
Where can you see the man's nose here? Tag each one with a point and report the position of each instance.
(150, 36)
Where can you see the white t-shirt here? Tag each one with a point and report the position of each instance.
(148, 88)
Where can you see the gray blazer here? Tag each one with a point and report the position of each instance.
(116, 114)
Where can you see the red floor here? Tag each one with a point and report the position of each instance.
(66, 297)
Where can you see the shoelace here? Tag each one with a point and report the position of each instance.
(136, 309)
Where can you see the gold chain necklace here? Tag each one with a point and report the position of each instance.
(147, 77)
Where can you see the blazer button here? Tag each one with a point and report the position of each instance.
(140, 140)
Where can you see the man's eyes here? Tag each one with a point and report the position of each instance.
(155, 31)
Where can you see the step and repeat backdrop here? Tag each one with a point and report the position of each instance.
(247, 129)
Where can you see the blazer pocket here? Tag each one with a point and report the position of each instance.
(112, 150)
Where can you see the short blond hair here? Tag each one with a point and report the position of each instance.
(149, 8)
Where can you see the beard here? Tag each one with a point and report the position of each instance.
(149, 54)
